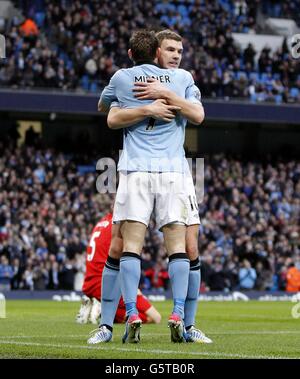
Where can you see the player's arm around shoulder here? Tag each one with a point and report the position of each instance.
(191, 106)
(119, 118)
(193, 112)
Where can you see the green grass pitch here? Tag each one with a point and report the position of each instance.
(47, 329)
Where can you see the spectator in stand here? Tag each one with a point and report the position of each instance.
(217, 277)
(264, 280)
(6, 274)
(80, 271)
(249, 55)
(282, 278)
(80, 46)
(67, 275)
(53, 274)
(27, 277)
(293, 279)
(17, 274)
(29, 28)
(48, 208)
(40, 277)
(247, 276)
(279, 9)
(158, 276)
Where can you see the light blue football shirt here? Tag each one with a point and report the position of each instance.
(148, 145)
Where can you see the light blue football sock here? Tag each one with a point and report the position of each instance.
(179, 267)
(130, 274)
(191, 302)
(111, 291)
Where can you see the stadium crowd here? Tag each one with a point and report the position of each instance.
(78, 45)
(282, 9)
(249, 235)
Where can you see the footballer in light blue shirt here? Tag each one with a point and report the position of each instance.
(151, 145)
(140, 146)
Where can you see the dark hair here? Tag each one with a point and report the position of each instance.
(167, 34)
(143, 45)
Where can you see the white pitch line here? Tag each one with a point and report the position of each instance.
(265, 332)
(267, 317)
(168, 352)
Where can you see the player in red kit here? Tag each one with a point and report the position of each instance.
(97, 253)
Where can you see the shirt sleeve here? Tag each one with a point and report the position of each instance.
(192, 92)
(109, 94)
(115, 104)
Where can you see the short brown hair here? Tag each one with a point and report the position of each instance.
(167, 34)
(143, 45)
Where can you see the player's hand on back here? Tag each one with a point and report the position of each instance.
(153, 89)
(160, 110)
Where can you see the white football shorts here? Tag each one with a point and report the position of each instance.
(139, 193)
(193, 209)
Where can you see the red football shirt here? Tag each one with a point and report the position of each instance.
(97, 253)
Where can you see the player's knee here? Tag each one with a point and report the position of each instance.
(133, 236)
(175, 248)
(192, 242)
(174, 236)
(132, 247)
(134, 242)
(115, 252)
(116, 247)
(192, 250)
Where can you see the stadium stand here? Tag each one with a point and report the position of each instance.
(78, 45)
(279, 9)
(48, 199)
(49, 205)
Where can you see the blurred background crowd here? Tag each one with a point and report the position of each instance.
(78, 45)
(249, 232)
